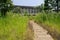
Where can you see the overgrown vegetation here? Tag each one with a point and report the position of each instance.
(52, 5)
(13, 27)
(5, 5)
(50, 19)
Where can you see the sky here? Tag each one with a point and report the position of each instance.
(28, 2)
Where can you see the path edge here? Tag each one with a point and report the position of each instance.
(53, 33)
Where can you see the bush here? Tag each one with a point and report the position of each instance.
(13, 27)
(50, 19)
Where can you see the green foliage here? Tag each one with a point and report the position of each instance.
(13, 27)
(52, 4)
(5, 5)
(46, 6)
(17, 10)
(41, 7)
(51, 19)
(25, 13)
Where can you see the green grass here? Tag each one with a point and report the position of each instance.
(13, 27)
(50, 19)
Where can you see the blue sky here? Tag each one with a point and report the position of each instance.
(28, 2)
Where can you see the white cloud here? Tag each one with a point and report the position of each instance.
(28, 2)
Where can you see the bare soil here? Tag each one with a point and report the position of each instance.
(39, 32)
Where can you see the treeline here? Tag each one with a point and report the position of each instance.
(52, 5)
(6, 5)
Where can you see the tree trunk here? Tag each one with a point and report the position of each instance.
(57, 6)
(3, 12)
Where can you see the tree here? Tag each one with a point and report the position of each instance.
(40, 7)
(46, 7)
(57, 5)
(5, 5)
(17, 10)
(52, 4)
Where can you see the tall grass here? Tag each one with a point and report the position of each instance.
(13, 27)
(50, 19)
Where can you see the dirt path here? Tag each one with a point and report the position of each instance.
(39, 32)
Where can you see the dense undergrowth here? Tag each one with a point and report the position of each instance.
(13, 27)
(50, 19)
